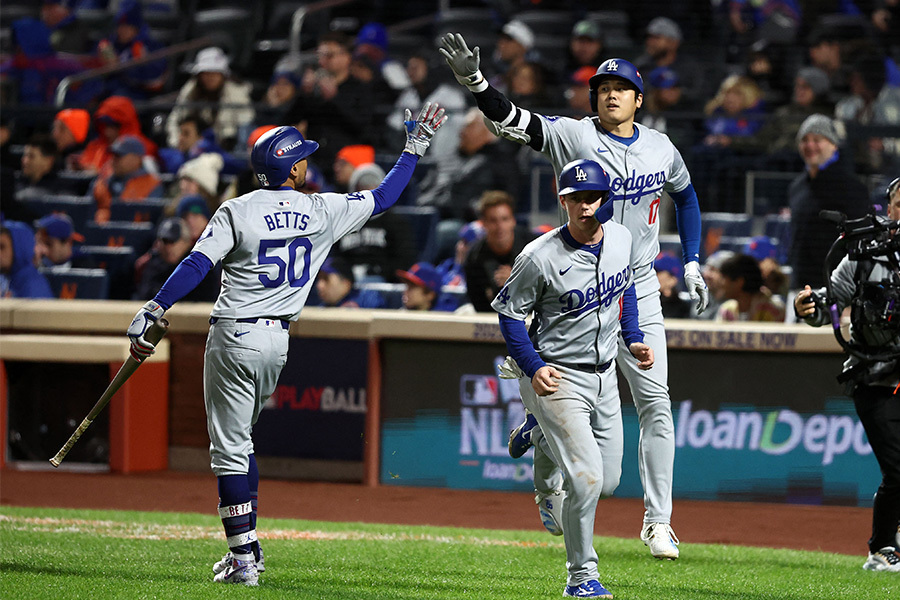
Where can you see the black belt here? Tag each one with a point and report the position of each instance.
(588, 367)
(284, 324)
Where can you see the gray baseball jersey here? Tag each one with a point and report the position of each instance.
(272, 244)
(574, 295)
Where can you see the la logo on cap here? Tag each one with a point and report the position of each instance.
(580, 174)
(612, 66)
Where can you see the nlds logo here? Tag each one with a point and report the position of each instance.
(281, 151)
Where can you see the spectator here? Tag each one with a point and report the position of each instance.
(55, 243)
(223, 101)
(490, 259)
(69, 131)
(451, 269)
(335, 286)
(371, 50)
(745, 297)
(662, 48)
(282, 91)
(765, 252)
(527, 86)
(454, 188)
(578, 93)
(333, 107)
(513, 45)
(423, 286)
(664, 96)
(130, 41)
(18, 276)
(194, 211)
(66, 33)
(872, 102)
(767, 65)
(713, 277)
(585, 47)
(348, 159)
(128, 181)
(669, 272)
(173, 242)
(200, 176)
(10, 208)
(384, 244)
(825, 53)
(828, 183)
(39, 174)
(771, 20)
(115, 117)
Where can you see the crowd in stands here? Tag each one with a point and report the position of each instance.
(108, 185)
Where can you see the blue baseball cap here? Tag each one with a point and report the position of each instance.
(59, 226)
(663, 78)
(339, 266)
(471, 232)
(127, 144)
(668, 262)
(193, 204)
(422, 274)
(761, 248)
(374, 34)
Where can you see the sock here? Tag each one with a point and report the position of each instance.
(253, 484)
(235, 511)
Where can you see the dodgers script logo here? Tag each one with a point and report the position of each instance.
(638, 186)
(577, 301)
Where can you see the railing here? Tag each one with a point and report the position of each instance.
(300, 14)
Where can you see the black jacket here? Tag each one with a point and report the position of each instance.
(480, 265)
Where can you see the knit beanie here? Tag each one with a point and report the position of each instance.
(366, 177)
(204, 170)
(821, 125)
(77, 121)
(816, 78)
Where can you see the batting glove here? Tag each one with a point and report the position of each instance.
(149, 314)
(696, 287)
(463, 61)
(419, 132)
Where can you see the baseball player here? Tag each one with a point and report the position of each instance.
(578, 280)
(272, 243)
(641, 163)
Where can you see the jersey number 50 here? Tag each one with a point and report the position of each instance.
(285, 270)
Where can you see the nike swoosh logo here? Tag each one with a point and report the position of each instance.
(564, 271)
(236, 334)
(601, 150)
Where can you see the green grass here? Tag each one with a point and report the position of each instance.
(58, 554)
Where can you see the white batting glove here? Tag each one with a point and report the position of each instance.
(149, 314)
(419, 132)
(463, 61)
(696, 287)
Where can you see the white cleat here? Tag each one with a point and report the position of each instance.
(886, 559)
(242, 572)
(550, 508)
(226, 560)
(661, 539)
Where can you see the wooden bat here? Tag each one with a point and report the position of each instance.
(154, 334)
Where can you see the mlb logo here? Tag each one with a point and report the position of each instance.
(478, 390)
(284, 203)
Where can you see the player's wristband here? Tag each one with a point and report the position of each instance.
(475, 82)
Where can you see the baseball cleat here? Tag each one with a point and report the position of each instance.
(886, 559)
(520, 437)
(550, 508)
(588, 589)
(226, 560)
(661, 539)
(238, 571)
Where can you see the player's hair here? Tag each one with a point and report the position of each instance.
(44, 143)
(743, 266)
(492, 198)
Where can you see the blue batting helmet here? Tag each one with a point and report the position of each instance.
(615, 67)
(586, 174)
(276, 151)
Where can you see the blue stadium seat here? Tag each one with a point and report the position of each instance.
(717, 225)
(423, 221)
(733, 243)
(670, 242)
(118, 262)
(778, 227)
(149, 210)
(81, 284)
(79, 208)
(139, 236)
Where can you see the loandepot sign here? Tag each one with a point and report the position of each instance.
(775, 432)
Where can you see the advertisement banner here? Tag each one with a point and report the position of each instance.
(749, 426)
(318, 410)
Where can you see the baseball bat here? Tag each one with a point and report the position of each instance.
(154, 334)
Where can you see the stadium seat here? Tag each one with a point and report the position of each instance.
(670, 242)
(718, 225)
(423, 221)
(145, 211)
(232, 29)
(81, 284)
(139, 236)
(79, 208)
(778, 227)
(733, 243)
(118, 262)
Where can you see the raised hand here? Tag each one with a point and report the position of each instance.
(463, 61)
(419, 132)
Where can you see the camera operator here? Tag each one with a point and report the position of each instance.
(873, 373)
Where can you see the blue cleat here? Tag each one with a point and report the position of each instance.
(520, 437)
(588, 589)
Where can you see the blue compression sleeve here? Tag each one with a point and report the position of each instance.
(394, 182)
(519, 345)
(687, 218)
(631, 332)
(186, 276)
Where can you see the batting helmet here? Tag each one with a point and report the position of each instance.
(276, 151)
(615, 67)
(586, 174)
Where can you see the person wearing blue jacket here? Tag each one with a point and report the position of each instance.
(19, 278)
